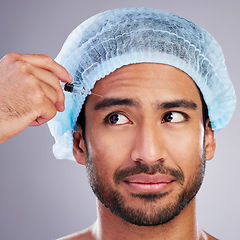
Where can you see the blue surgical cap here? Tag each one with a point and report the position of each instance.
(112, 39)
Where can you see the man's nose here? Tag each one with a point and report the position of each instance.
(149, 145)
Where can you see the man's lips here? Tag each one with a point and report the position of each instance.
(143, 183)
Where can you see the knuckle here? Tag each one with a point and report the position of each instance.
(11, 57)
(26, 81)
(53, 79)
(48, 60)
(38, 97)
(21, 66)
(29, 80)
(54, 97)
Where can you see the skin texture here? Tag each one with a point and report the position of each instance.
(144, 133)
(30, 92)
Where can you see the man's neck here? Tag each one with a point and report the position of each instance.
(184, 226)
(108, 226)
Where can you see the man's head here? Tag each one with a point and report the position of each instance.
(145, 142)
(113, 39)
(146, 138)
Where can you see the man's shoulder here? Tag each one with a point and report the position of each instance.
(210, 237)
(83, 235)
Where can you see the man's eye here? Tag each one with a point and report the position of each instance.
(174, 117)
(117, 119)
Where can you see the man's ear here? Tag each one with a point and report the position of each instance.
(79, 147)
(210, 143)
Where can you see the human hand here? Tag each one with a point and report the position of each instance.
(30, 92)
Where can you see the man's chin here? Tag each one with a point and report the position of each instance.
(143, 209)
(148, 216)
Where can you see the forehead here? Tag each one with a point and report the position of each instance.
(147, 80)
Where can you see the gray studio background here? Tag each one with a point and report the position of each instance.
(45, 198)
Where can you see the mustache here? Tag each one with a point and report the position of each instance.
(147, 169)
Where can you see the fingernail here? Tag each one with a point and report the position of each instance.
(63, 107)
(70, 77)
(60, 107)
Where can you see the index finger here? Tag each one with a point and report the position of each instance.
(47, 63)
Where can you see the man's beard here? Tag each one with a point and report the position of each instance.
(153, 215)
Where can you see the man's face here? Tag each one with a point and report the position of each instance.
(144, 142)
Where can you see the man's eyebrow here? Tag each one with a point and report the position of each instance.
(110, 102)
(177, 104)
